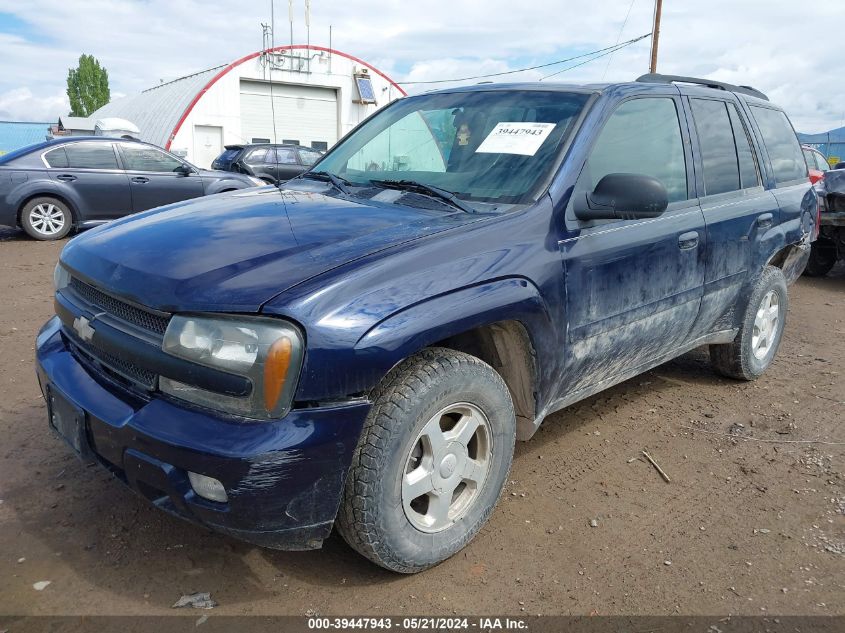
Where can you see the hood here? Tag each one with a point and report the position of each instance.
(234, 252)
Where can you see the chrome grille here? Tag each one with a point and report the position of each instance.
(120, 309)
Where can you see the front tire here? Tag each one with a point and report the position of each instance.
(822, 258)
(756, 344)
(46, 219)
(432, 460)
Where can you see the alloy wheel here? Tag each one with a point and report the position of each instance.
(446, 467)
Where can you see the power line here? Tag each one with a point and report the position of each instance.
(592, 59)
(618, 37)
(608, 49)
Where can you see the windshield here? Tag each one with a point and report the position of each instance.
(495, 147)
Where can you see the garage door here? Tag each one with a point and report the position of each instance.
(303, 113)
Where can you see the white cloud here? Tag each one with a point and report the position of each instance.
(19, 104)
(779, 47)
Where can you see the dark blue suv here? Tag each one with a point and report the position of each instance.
(363, 347)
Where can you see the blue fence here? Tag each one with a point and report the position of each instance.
(16, 134)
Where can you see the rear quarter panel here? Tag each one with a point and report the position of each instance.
(19, 185)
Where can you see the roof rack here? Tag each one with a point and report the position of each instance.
(654, 78)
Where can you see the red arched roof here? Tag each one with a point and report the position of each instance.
(226, 69)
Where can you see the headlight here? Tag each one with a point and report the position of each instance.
(257, 181)
(266, 351)
(61, 277)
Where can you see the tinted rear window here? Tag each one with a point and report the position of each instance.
(748, 172)
(718, 150)
(91, 156)
(229, 155)
(56, 157)
(781, 144)
(726, 152)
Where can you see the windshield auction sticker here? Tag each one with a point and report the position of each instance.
(515, 138)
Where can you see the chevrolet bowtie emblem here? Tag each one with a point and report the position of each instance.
(83, 328)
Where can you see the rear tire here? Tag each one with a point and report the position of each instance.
(46, 219)
(756, 344)
(822, 258)
(432, 460)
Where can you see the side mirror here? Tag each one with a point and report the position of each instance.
(623, 197)
(184, 170)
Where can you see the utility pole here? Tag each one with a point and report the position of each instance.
(655, 35)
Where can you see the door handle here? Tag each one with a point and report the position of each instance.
(688, 240)
(66, 177)
(140, 180)
(765, 221)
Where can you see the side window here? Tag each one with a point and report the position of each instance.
(309, 157)
(143, 158)
(749, 173)
(718, 151)
(820, 160)
(56, 157)
(282, 156)
(91, 156)
(642, 136)
(257, 156)
(781, 144)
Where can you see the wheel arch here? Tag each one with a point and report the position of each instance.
(29, 197)
(507, 347)
(505, 323)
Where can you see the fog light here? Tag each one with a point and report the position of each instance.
(208, 487)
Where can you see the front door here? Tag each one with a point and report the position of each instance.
(90, 168)
(633, 287)
(156, 178)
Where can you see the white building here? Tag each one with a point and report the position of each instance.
(289, 94)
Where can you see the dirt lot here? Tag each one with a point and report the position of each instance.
(752, 522)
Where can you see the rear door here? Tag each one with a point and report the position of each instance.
(91, 170)
(154, 178)
(634, 286)
(286, 162)
(738, 211)
(255, 163)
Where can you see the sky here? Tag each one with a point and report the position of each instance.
(786, 48)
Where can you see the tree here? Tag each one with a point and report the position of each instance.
(87, 86)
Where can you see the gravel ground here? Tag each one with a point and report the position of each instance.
(753, 521)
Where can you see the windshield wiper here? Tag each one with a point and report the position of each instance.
(341, 184)
(427, 190)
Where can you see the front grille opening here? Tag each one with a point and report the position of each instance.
(121, 371)
(145, 319)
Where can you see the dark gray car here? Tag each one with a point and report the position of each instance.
(270, 162)
(49, 188)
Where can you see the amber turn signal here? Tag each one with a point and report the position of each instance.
(276, 371)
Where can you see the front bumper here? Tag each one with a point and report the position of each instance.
(284, 479)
